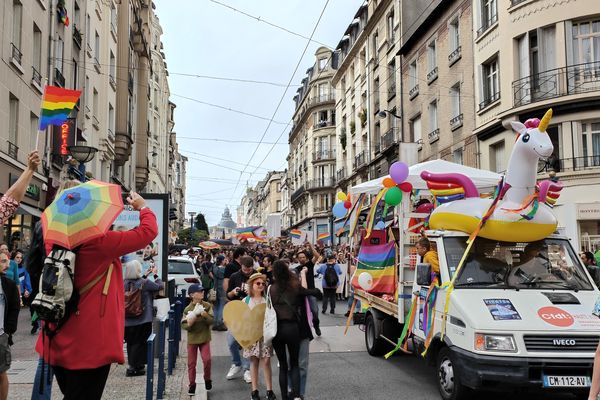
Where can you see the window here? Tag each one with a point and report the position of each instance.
(455, 98)
(86, 90)
(457, 156)
(454, 36)
(376, 95)
(13, 119)
(37, 48)
(586, 43)
(154, 157)
(415, 129)
(376, 48)
(590, 138)
(412, 74)
(343, 87)
(278, 206)
(95, 104)
(60, 47)
(111, 121)
(96, 47)
(34, 126)
(392, 78)
(323, 63)
(390, 28)
(17, 22)
(497, 157)
(75, 74)
(88, 31)
(491, 83)
(323, 91)
(113, 18)
(112, 71)
(489, 14)
(431, 57)
(433, 121)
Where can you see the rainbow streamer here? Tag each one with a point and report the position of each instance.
(57, 104)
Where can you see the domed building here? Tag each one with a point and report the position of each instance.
(226, 227)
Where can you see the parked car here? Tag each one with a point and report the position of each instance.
(182, 270)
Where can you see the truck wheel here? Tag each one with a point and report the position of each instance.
(449, 383)
(375, 345)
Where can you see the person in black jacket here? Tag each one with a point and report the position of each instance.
(9, 302)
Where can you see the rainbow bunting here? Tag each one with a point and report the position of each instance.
(323, 236)
(378, 263)
(57, 105)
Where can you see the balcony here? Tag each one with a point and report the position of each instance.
(389, 138)
(324, 155)
(414, 92)
(36, 77)
(489, 100)
(434, 136)
(297, 194)
(59, 79)
(323, 124)
(360, 161)
(112, 81)
(77, 36)
(13, 150)
(16, 56)
(97, 64)
(515, 2)
(573, 79)
(95, 122)
(432, 75)
(455, 56)
(456, 122)
(341, 174)
(487, 24)
(321, 183)
(570, 164)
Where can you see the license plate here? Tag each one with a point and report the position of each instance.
(566, 381)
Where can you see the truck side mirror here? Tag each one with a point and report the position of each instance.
(423, 274)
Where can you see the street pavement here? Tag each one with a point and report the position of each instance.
(339, 368)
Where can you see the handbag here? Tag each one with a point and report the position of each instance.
(270, 322)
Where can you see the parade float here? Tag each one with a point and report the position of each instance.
(502, 301)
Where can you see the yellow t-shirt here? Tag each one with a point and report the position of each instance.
(431, 257)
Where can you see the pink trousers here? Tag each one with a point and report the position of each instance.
(193, 350)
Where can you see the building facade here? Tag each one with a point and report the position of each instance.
(313, 144)
(529, 56)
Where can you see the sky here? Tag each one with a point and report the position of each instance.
(207, 38)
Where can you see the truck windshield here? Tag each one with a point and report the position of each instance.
(546, 264)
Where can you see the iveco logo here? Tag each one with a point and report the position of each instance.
(564, 342)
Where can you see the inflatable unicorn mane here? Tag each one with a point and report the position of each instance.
(521, 209)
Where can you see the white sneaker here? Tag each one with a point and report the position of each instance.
(247, 376)
(233, 371)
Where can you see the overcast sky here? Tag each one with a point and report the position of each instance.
(202, 37)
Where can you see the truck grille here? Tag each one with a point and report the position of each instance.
(582, 344)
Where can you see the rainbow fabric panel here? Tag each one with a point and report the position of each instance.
(57, 104)
(323, 236)
(376, 265)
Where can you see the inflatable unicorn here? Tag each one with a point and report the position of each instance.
(521, 210)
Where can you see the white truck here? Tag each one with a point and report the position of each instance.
(519, 317)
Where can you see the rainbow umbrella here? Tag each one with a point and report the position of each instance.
(82, 213)
(209, 245)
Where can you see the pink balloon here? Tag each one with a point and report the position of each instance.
(399, 172)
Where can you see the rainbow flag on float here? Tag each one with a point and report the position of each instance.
(375, 270)
(57, 104)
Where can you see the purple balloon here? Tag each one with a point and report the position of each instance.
(399, 172)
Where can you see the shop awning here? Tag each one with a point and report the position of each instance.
(24, 209)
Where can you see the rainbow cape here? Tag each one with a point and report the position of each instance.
(57, 105)
(377, 261)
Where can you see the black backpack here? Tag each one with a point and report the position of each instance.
(331, 276)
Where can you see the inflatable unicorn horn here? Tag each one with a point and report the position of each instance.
(520, 213)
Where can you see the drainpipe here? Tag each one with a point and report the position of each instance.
(51, 65)
(368, 111)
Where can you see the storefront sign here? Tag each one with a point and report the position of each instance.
(32, 191)
(588, 211)
(64, 137)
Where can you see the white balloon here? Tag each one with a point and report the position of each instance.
(365, 280)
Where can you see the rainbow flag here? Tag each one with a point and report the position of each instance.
(296, 234)
(375, 271)
(57, 105)
(323, 236)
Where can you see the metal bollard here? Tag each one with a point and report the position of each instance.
(179, 313)
(172, 342)
(162, 378)
(150, 367)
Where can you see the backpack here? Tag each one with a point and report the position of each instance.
(134, 306)
(57, 297)
(331, 276)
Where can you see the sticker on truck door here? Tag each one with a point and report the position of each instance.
(502, 309)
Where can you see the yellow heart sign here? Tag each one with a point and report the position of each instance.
(245, 325)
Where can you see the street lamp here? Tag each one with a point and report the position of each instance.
(82, 154)
(384, 113)
(192, 213)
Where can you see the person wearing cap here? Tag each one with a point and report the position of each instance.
(197, 319)
(258, 353)
(328, 282)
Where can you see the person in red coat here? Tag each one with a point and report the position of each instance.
(91, 340)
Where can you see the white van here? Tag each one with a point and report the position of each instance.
(520, 316)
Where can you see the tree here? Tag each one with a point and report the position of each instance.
(184, 236)
(200, 223)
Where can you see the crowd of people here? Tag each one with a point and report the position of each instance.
(287, 273)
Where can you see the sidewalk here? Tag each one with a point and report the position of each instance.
(22, 372)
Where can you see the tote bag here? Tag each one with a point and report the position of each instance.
(270, 323)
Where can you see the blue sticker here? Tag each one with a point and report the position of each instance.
(502, 309)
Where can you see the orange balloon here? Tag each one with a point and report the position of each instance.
(389, 182)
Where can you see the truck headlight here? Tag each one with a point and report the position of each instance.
(491, 342)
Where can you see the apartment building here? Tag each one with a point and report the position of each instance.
(367, 90)
(23, 72)
(311, 162)
(531, 55)
(178, 170)
(438, 112)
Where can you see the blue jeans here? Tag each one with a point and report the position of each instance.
(219, 305)
(314, 309)
(234, 350)
(303, 365)
(351, 300)
(35, 392)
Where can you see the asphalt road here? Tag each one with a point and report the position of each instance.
(354, 374)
